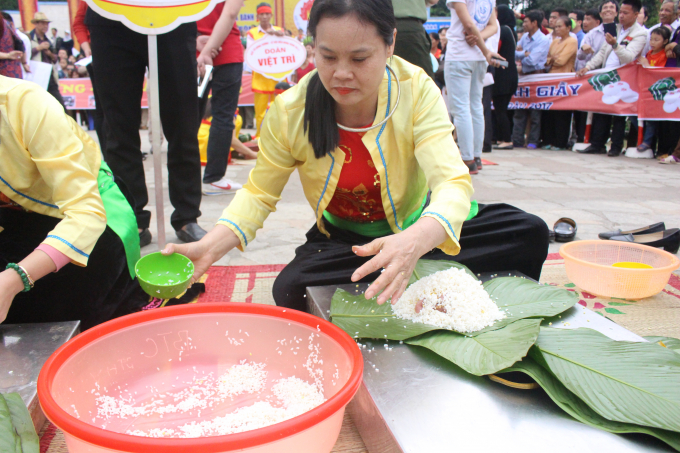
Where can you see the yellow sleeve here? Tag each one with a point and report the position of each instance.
(447, 175)
(566, 53)
(253, 204)
(58, 147)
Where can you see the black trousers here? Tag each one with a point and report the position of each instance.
(500, 238)
(669, 134)
(120, 62)
(413, 44)
(580, 120)
(226, 89)
(500, 113)
(101, 291)
(599, 132)
(556, 127)
(53, 89)
(488, 122)
(99, 120)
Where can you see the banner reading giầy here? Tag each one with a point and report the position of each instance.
(649, 93)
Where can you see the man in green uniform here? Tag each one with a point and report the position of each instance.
(413, 42)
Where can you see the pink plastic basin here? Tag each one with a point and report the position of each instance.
(155, 347)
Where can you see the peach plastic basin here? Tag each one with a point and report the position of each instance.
(143, 349)
(589, 265)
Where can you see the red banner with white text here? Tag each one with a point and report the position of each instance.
(649, 93)
(78, 94)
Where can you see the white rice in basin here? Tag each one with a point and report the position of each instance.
(451, 299)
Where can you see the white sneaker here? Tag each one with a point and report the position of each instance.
(669, 160)
(221, 187)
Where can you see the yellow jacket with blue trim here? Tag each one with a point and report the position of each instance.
(413, 152)
(49, 165)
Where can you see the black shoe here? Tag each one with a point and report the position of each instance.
(191, 232)
(478, 161)
(668, 239)
(565, 230)
(144, 238)
(593, 150)
(614, 152)
(472, 166)
(643, 230)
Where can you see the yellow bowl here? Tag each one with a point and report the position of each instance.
(590, 265)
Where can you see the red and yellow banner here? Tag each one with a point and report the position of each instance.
(649, 93)
(27, 9)
(78, 94)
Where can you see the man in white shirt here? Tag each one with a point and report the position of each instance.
(621, 49)
(667, 17)
(467, 58)
(590, 45)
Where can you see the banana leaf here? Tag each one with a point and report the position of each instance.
(486, 353)
(520, 298)
(363, 318)
(23, 424)
(667, 342)
(9, 440)
(622, 381)
(572, 405)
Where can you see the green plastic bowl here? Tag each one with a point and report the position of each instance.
(165, 277)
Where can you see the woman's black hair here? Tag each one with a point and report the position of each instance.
(567, 22)
(662, 31)
(319, 120)
(507, 17)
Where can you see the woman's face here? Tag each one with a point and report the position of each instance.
(62, 53)
(351, 58)
(560, 29)
(442, 37)
(310, 51)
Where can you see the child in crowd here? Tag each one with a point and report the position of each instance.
(655, 58)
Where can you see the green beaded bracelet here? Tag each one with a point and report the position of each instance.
(22, 273)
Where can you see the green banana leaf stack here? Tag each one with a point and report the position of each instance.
(17, 434)
(617, 386)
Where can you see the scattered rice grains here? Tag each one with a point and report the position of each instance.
(450, 299)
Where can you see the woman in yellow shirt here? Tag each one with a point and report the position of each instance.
(55, 196)
(374, 150)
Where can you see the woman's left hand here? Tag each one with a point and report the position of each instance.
(398, 255)
(10, 285)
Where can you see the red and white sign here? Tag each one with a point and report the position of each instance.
(649, 93)
(275, 57)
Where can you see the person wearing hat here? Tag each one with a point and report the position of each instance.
(263, 88)
(43, 51)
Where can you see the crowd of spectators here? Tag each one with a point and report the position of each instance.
(578, 41)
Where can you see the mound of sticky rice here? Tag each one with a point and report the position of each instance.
(451, 299)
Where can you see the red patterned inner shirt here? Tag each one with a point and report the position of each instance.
(357, 197)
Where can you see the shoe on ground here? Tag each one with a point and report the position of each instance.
(593, 150)
(655, 228)
(614, 152)
(505, 147)
(478, 161)
(472, 166)
(669, 240)
(546, 147)
(643, 147)
(144, 238)
(532, 146)
(221, 187)
(669, 160)
(190, 232)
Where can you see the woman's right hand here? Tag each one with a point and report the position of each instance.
(205, 252)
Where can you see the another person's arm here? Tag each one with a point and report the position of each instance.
(595, 63)
(631, 51)
(247, 212)
(13, 55)
(81, 31)
(220, 32)
(471, 29)
(58, 148)
(440, 224)
(537, 57)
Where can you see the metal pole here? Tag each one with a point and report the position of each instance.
(154, 104)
